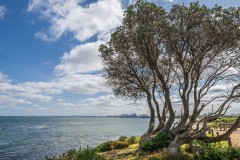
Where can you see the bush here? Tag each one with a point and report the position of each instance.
(122, 138)
(120, 145)
(132, 140)
(111, 145)
(148, 145)
(84, 154)
(233, 153)
(106, 146)
(89, 154)
(217, 151)
(160, 141)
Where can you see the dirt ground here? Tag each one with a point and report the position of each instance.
(235, 137)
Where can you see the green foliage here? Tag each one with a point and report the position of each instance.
(84, 154)
(227, 119)
(217, 151)
(212, 152)
(132, 140)
(120, 145)
(106, 146)
(233, 153)
(88, 154)
(166, 156)
(122, 138)
(111, 145)
(148, 145)
(160, 141)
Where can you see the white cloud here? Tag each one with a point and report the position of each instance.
(112, 105)
(68, 16)
(219, 88)
(66, 105)
(4, 78)
(82, 84)
(11, 101)
(2, 12)
(171, 1)
(29, 92)
(81, 59)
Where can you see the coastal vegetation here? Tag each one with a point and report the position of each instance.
(211, 151)
(182, 61)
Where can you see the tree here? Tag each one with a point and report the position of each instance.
(188, 52)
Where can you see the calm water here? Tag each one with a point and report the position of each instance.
(32, 138)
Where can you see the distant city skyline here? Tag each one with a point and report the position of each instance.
(49, 59)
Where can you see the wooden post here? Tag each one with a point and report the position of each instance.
(209, 131)
(217, 133)
(229, 142)
(212, 132)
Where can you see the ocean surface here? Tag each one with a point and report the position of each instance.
(33, 138)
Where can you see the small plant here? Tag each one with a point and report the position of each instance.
(111, 145)
(132, 140)
(84, 154)
(106, 146)
(148, 145)
(160, 141)
(218, 151)
(233, 153)
(88, 154)
(120, 145)
(122, 138)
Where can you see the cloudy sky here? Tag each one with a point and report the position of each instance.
(49, 63)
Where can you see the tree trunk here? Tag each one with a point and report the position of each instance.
(159, 128)
(151, 121)
(175, 145)
(174, 149)
(152, 115)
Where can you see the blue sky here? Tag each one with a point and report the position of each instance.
(49, 63)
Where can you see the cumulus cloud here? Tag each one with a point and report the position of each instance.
(68, 16)
(29, 92)
(110, 104)
(81, 59)
(2, 12)
(4, 78)
(11, 101)
(82, 84)
(22, 93)
(171, 1)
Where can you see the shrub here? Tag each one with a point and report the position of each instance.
(111, 145)
(160, 141)
(120, 145)
(217, 151)
(122, 138)
(148, 145)
(89, 154)
(106, 146)
(132, 140)
(233, 153)
(84, 154)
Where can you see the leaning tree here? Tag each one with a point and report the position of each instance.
(188, 52)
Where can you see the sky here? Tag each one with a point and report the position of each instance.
(49, 59)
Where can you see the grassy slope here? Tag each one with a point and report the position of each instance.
(122, 154)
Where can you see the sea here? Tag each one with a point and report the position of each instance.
(34, 138)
